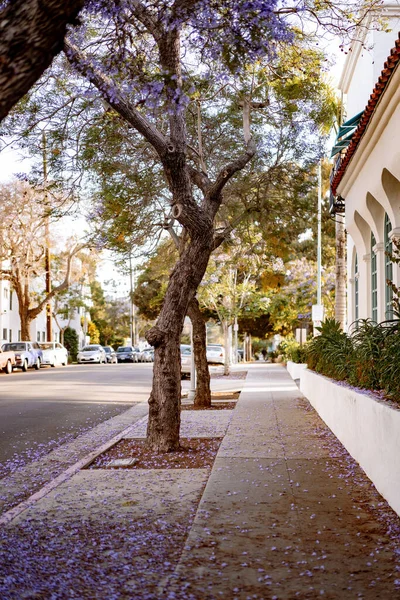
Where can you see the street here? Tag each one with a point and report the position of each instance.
(41, 410)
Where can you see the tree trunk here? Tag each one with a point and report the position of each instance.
(25, 325)
(227, 362)
(340, 283)
(203, 391)
(31, 34)
(165, 399)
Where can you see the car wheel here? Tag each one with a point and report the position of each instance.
(25, 365)
(37, 364)
(8, 368)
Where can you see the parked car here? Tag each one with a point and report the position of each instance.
(27, 354)
(126, 354)
(93, 353)
(186, 360)
(7, 361)
(53, 354)
(215, 354)
(147, 355)
(111, 356)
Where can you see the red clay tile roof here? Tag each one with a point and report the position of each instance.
(389, 67)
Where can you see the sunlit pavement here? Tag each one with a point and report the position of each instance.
(285, 514)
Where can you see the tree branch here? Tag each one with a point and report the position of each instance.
(64, 285)
(31, 35)
(115, 98)
(223, 235)
(213, 196)
(200, 179)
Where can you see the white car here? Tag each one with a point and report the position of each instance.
(215, 354)
(93, 353)
(53, 354)
(186, 360)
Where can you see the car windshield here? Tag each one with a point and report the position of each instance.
(90, 348)
(15, 347)
(125, 349)
(185, 349)
(107, 349)
(46, 345)
(214, 348)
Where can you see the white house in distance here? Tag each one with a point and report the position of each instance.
(10, 329)
(365, 181)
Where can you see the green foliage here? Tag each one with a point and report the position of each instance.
(292, 350)
(368, 343)
(71, 342)
(330, 352)
(368, 359)
(390, 365)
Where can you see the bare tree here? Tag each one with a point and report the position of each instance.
(22, 251)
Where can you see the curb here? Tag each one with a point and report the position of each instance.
(67, 474)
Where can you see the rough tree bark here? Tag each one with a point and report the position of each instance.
(165, 398)
(31, 35)
(203, 390)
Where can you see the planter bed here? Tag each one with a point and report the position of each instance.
(368, 427)
(295, 369)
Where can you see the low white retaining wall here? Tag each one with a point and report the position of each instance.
(295, 369)
(367, 427)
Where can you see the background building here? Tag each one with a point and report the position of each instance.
(366, 175)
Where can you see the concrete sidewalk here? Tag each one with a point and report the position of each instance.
(285, 513)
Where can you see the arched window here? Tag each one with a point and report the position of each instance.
(356, 289)
(388, 269)
(374, 280)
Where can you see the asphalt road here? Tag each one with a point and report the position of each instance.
(40, 410)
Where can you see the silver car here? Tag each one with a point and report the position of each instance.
(126, 354)
(93, 353)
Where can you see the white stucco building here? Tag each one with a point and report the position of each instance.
(10, 329)
(365, 181)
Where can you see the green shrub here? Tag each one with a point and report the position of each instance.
(390, 364)
(369, 358)
(330, 353)
(292, 350)
(366, 362)
(71, 342)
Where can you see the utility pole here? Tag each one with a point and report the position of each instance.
(131, 307)
(49, 316)
(318, 309)
(319, 245)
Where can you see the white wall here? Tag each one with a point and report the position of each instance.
(367, 427)
(9, 320)
(365, 61)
